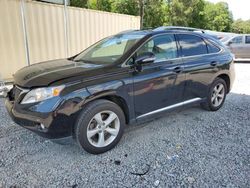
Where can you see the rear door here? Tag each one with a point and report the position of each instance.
(200, 64)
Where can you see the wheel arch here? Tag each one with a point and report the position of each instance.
(110, 96)
(120, 102)
(226, 78)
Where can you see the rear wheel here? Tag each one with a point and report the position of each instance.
(216, 95)
(100, 126)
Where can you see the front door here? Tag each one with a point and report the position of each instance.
(159, 84)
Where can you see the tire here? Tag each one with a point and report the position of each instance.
(99, 126)
(210, 104)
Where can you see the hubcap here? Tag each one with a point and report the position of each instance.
(103, 128)
(218, 95)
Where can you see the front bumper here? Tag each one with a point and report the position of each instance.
(41, 118)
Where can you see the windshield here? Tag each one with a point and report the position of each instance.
(226, 38)
(109, 49)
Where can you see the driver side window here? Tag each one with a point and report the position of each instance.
(164, 47)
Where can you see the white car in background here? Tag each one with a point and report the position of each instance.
(239, 45)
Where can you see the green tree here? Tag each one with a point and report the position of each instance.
(186, 13)
(130, 7)
(240, 26)
(190, 13)
(218, 17)
(104, 5)
(155, 13)
(79, 3)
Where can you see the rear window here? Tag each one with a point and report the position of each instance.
(212, 48)
(192, 45)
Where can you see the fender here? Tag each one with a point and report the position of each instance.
(227, 70)
(120, 89)
(74, 102)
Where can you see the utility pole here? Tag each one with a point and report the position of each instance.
(25, 33)
(141, 7)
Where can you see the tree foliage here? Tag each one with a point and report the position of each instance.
(186, 13)
(79, 3)
(104, 5)
(240, 26)
(191, 13)
(130, 7)
(155, 13)
(218, 17)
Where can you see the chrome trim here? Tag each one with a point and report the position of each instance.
(170, 107)
(149, 59)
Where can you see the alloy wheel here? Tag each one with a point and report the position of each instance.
(103, 128)
(218, 95)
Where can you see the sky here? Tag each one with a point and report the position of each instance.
(239, 8)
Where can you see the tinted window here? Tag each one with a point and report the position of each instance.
(237, 40)
(192, 45)
(212, 48)
(164, 47)
(248, 39)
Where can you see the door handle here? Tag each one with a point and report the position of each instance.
(178, 69)
(213, 63)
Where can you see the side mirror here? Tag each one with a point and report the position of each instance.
(145, 58)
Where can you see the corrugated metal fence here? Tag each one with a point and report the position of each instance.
(32, 32)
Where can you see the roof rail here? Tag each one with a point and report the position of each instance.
(178, 28)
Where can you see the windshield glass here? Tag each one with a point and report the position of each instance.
(225, 38)
(109, 49)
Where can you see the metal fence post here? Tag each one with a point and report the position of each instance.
(25, 35)
(66, 28)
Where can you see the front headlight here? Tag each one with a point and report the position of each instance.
(41, 94)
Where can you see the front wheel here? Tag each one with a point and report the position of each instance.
(100, 126)
(216, 95)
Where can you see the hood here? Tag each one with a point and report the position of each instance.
(45, 73)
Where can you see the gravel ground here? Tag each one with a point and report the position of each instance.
(190, 148)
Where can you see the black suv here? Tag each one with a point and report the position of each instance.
(123, 79)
